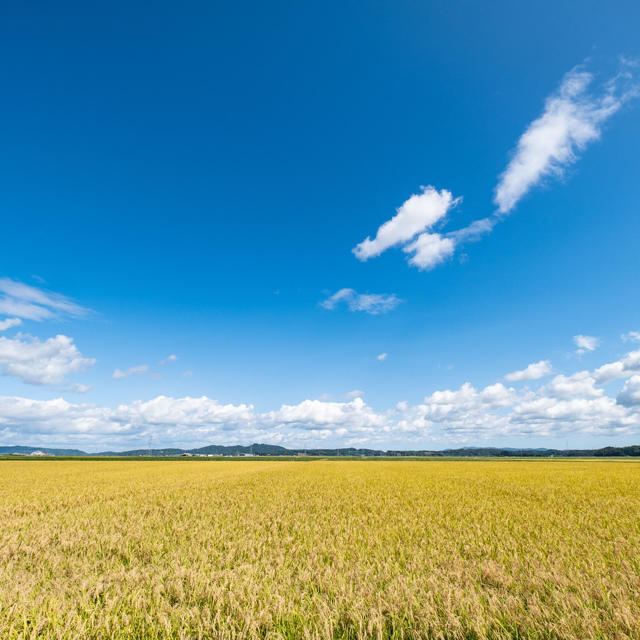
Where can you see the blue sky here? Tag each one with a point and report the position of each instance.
(196, 182)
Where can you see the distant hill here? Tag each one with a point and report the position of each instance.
(259, 449)
(256, 449)
(137, 453)
(52, 452)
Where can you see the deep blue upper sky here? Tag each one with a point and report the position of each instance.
(198, 174)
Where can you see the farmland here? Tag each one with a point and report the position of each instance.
(320, 549)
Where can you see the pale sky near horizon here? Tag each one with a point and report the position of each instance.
(391, 225)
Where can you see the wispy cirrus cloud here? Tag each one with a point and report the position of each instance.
(9, 323)
(572, 118)
(138, 370)
(31, 303)
(371, 303)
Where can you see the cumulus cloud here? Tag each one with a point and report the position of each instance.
(140, 369)
(629, 395)
(429, 249)
(568, 404)
(382, 356)
(534, 371)
(195, 412)
(585, 343)
(419, 213)
(575, 403)
(623, 368)
(581, 384)
(459, 412)
(45, 362)
(312, 414)
(181, 422)
(631, 336)
(30, 303)
(173, 421)
(8, 323)
(371, 303)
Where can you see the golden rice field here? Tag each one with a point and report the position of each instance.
(321, 549)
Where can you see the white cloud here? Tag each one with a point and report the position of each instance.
(429, 249)
(572, 118)
(629, 395)
(574, 403)
(195, 412)
(568, 404)
(420, 212)
(461, 412)
(140, 369)
(41, 362)
(534, 371)
(371, 303)
(342, 295)
(382, 356)
(168, 359)
(581, 384)
(311, 414)
(356, 393)
(42, 417)
(174, 421)
(585, 343)
(474, 231)
(631, 336)
(622, 368)
(30, 303)
(80, 388)
(9, 323)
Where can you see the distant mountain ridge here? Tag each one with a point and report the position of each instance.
(259, 449)
(29, 450)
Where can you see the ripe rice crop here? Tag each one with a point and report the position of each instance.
(321, 549)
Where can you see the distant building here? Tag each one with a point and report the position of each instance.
(186, 455)
(38, 453)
